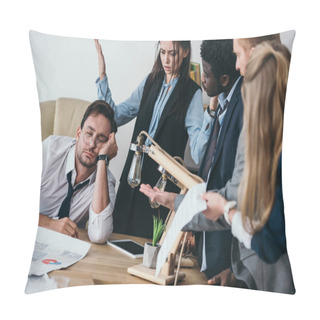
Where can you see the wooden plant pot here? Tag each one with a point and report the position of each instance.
(150, 255)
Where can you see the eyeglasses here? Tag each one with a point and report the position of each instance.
(98, 142)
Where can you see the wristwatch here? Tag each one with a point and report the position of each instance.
(212, 113)
(229, 205)
(104, 157)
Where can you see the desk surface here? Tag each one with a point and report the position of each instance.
(104, 264)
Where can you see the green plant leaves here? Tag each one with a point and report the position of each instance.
(158, 228)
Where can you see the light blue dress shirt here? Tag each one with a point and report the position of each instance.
(161, 101)
(223, 99)
(197, 122)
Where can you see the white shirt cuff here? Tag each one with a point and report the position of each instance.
(239, 232)
(100, 226)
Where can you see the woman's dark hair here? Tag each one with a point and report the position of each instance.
(185, 65)
(158, 71)
(100, 107)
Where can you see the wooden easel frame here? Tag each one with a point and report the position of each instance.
(186, 180)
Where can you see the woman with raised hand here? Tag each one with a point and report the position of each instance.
(168, 105)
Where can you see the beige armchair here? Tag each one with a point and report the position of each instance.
(62, 116)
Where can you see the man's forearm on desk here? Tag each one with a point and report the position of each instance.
(64, 225)
(44, 221)
(100, 226)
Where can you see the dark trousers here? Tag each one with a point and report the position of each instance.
(218, 251)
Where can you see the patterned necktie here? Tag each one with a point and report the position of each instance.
(65, 206)
(212, 143)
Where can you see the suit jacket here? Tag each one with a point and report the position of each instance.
(226, 149)
(229, 191)
(218, 243)
(246, 265)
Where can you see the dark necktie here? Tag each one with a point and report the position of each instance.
(65, 206)
(212, 143)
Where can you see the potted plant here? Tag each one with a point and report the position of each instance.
(151, 249)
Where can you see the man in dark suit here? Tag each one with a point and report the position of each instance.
(219, 78)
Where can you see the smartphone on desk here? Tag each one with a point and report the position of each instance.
(129, 247)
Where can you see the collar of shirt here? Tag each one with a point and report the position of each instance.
(70, 166)
(160, 103)
(223, 99)
(172, 83)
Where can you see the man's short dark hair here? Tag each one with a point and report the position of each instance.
(100, 107)
(219, 54)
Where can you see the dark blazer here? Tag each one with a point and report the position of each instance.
(253, 267)
(218, 243)
(226, 149)
(132, 213)
(266, 266)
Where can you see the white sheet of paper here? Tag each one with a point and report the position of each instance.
(190, 206)
(40, 283)
(54, 250)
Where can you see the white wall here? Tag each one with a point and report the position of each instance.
(68, 67)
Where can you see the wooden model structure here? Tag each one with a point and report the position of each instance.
(184, 180)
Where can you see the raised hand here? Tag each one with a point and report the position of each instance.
(102, 64)
(110, 147)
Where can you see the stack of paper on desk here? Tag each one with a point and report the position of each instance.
(54, 250)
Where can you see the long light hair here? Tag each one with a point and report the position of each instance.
(263, 94)
(249, 43)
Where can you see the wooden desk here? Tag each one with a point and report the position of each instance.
(104, 264)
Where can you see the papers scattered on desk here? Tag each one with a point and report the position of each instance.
(190, 206)
(40, 283)
(54, 250)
